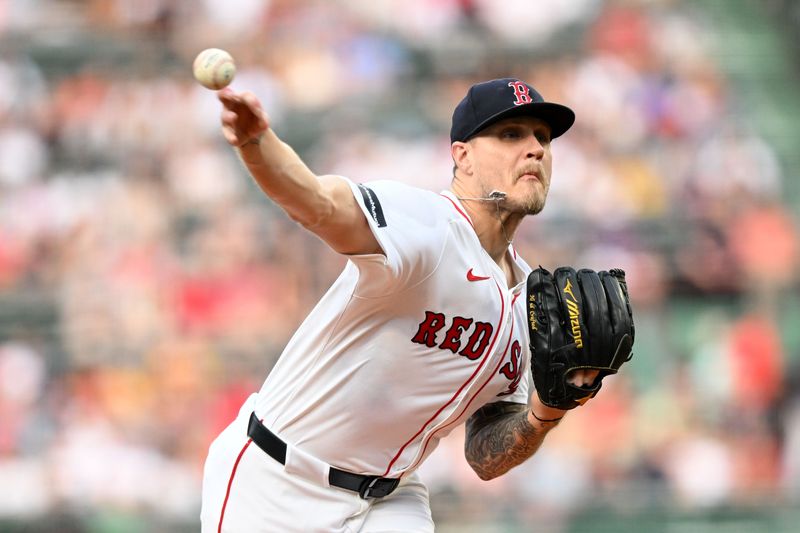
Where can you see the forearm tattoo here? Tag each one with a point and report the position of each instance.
(499, 437)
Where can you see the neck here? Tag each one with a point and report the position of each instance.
(494, 225)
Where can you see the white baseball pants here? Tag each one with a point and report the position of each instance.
(247, 491)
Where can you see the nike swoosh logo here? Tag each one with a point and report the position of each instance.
(473, 277)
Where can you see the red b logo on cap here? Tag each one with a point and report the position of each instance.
(521, 92)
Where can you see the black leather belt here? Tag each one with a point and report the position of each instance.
(365, 486)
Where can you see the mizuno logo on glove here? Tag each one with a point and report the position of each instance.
(574, 315)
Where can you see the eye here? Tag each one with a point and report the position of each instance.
(543, 137)
(510, 133)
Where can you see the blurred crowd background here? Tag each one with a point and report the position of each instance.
(147, 287)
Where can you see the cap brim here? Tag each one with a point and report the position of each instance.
(560, 118)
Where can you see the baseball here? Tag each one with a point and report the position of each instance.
(214, 68)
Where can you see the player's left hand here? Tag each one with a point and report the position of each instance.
(581, 330)
(583, 377)
(578, 378)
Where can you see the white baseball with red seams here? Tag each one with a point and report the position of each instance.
(402, 348)
(214, 68)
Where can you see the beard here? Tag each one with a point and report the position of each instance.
(530, 204)
(534, 203)
(535, 206)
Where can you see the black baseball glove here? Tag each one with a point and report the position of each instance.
(577, 320)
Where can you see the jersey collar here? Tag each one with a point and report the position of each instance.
(457, 205)
(517, 263)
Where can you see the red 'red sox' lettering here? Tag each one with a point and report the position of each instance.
(512, 370)
(477, 341)
(452, 339)
(426, 334)
(475, 345)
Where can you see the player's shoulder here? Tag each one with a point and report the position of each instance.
(398, 189)
(416, 202)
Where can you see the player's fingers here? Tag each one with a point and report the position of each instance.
(583, 377)
(252, 102)
(262, 120)
(230, 136)
(245, 111)
(589, 377)
(229, 98)
(228, 117)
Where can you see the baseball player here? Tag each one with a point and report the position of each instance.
(429, 326)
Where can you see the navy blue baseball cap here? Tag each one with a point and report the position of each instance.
(491, 101)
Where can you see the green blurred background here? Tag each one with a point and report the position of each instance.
(147, 287)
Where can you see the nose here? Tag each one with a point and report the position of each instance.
(535, 149)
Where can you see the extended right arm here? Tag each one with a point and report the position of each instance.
(324, 205)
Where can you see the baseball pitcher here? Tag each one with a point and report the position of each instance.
(434, 322)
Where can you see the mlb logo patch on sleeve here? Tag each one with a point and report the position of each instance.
(373, 204)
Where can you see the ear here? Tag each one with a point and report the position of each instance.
(462, 156)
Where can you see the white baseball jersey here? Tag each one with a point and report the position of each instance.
(404, 346)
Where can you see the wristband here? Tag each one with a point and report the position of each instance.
(543, 419)
(254, 140)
